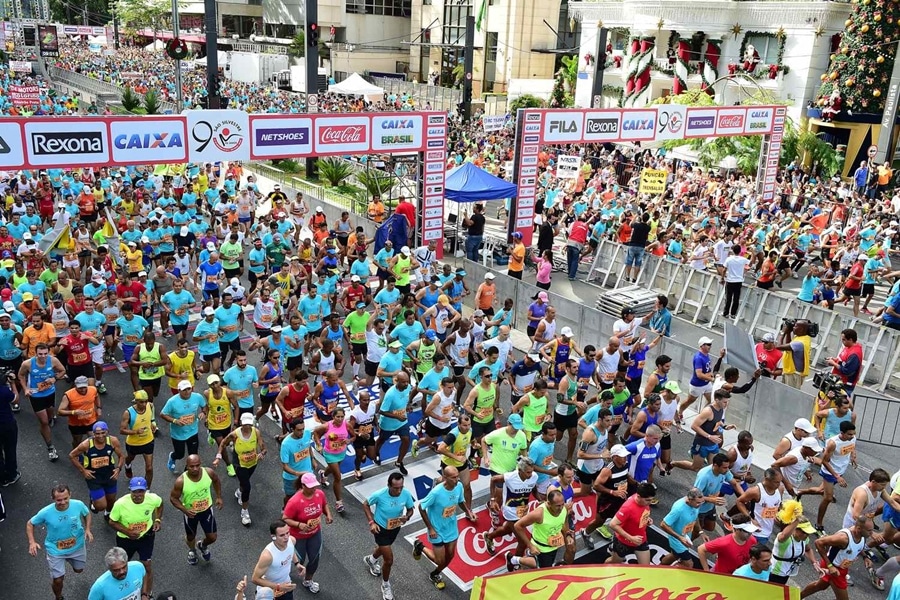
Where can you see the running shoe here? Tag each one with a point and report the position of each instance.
(15, 478)
(418, 547)
(52, 454)
(322, 479)
(414, 449)
(401, 468)
(372, 564)
(489, 544)
(192, 558)
(171, 463)
(129, 472)
(509, 563)
(386, 592)
(877, 582)
(204, 551)
(311, 585)
(339, 506)
(210, 440)
(245, 517)
(237, 496)
(588, 542)
(101, 388)
(230, 470)
(437, 580)
(16, 407)
(606, 532)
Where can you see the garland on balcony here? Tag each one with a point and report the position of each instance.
(779, 35)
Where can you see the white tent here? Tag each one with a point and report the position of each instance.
(155, 45)
(355, 85)
(222, 59)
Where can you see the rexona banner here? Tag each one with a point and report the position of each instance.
(625, 582)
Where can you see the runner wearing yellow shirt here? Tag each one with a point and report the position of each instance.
(136, 519)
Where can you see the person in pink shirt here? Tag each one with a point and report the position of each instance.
(303, 515)
(544, 268)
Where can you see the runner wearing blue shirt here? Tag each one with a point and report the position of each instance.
(131, 330)
(231, 322)
(212, 274)
(409, 330)
(679, 524)
(644, 454)
(206, 334)
(123, 581)
(709, 481)
(386, 299)
(393, 419)
(311, 308)
(94, 323)
(184, 411)
(438, 511)
(541, 452)
(242, 380)
(385, 512)
(68, 524)
(295, 456)
(178, 303)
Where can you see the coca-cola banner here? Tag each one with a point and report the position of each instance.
(617, 582)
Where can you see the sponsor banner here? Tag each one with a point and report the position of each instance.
(562, 126)
(730, 121)
(150, 140)
(602, 125)
(25, 95)
(567, 167)
(12, 153)
(280, 136)
(437, 118)
(216, 135)
(670, 122)
(493, 122)
(20, 66)
(700, 122)
(48, 41)
(532, 127)
(610, 582)
(339, 134)
(434, 167)
(653, 181)
(400, 132)
(67, 142)
(759, 120)
(638, 125)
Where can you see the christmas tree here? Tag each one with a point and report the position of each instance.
(859, 71)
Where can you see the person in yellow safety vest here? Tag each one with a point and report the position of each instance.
(796, 352)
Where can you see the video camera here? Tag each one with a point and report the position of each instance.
(828, 384)
(812, 328)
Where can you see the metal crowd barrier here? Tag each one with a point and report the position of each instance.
(440, 98)
(697, 296)
(96, 86)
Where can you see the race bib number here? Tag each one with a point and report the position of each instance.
(845, 564)
(485, 412)
(521, 510)
(200, 505)
(464, 352)
(331, 406)
(99, 462)
(44, 385)
(188, 420)
(357, 337)
(665, 424)
(220, 418)
(266, 318)
(447, 410)
(688, 528)
(132, 339)
(314, 523)
(364, 430)
(138, 528)
(548, 460)
(607, 377)
(394, 523)
(541, 418)
(314, 317)
(848, 449)
(769, 512)
(301, 455)
(555, 541)
(229, 328)
(243, 393)
(449, 512)
(180, 311)
(622, 486)
(645, 518)
(58, 325)
(66, 544)
(274, 387)
(248, 457)
(212, 338)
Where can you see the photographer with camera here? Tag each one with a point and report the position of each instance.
(796, 343)
(848, 363)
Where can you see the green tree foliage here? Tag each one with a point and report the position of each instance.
(151, 102)
(98, 12)
(525, 101)
(333, 170)
(130, 100)
(137, 14)
(297, 49)
(375, 182)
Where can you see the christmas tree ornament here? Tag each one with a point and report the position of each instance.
(880, 59)
(864, 28)
(876, 93)
(849, 82)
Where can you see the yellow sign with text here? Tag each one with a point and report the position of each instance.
(620, 582)
(653, 181)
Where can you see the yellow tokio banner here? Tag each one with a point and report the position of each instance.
(653, 181)
(625, 582)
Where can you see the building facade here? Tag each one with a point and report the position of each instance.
(661, 47)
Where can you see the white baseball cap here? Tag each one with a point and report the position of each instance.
(208, 311)
(567, 331)
(813, 443)
(704, 340)
(235, 281)
(184, 384)
(805, 425)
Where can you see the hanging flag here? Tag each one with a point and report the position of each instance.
(482, 12)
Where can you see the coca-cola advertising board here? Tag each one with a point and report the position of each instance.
(342, 134)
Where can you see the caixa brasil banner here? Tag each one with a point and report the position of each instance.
(625, 582)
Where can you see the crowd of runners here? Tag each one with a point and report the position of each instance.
(221, 315)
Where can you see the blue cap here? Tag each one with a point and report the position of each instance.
(332, 251)
(360, 305)
(516, 422)
(431, 334)
(137, 483)
(100, 425)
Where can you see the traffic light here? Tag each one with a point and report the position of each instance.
(313, 34)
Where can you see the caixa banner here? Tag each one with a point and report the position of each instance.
(206, 136)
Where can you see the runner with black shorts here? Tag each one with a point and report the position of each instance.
(98, 460)
(139, 428)
(192, 495)
(611, 486)
(136, 519)
(78, 352)
(385, 512)
(38, 376)
(362, 421)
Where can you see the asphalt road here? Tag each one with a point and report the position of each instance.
(341, 573)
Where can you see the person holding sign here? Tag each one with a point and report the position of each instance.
(192, 495)
(68, 524)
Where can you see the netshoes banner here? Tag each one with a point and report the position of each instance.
(625, 582)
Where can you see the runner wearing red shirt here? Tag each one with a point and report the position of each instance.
(732, 551)
(407, 210)
(78, 352)
(131, 291)
(303, 514)
(630, 526)
(853, 283)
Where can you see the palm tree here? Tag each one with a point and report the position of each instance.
(334, 170)
(375, 182)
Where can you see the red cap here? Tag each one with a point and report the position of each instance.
(881, 254)
(6, 293)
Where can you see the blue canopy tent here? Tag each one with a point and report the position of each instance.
(470, 183)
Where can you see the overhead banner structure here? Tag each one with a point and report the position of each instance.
(202, 136)
(611, 582)
(537, 128)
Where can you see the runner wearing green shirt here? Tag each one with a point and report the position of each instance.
(506, 445)
(276, 251)
(355, 325)
(231, 252)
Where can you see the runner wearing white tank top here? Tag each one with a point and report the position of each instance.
(870, 498)
(548, 334)
(765, 511)
(441, 413)
(278, 562)
(741, 457)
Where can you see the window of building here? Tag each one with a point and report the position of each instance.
(491, 42)
(454, 30)
(619, 40)
(766, 46)
(386, 8)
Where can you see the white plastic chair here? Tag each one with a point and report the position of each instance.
(487, 253)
